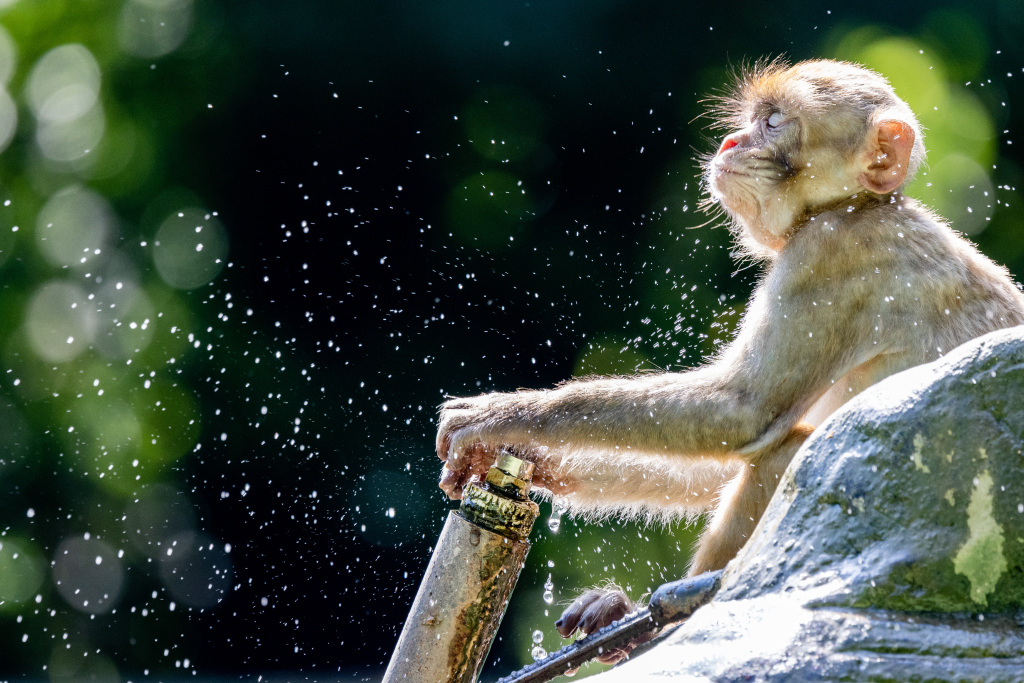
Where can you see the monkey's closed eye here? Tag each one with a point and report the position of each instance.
(776, 120)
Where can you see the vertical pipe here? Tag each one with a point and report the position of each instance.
(469, 580)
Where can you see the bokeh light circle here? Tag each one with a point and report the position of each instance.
(127, 318)
(73, 227)
(64, 84)
(78, 660)
(70, 141)
(189, 248)
(88, 574)
(154, 28)
(60, 325)
(21, 571)
(8, 119)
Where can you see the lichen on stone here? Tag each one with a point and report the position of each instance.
(981, 558)
(918, 462)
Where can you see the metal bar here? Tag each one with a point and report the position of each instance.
(467, 585)
(672, 603)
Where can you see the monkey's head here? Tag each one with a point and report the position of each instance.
(804, 139)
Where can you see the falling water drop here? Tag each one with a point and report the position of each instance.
(555, 520)
(549, 587)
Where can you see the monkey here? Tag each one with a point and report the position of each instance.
(859, 281)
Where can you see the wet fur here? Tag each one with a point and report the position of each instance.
(858, 285)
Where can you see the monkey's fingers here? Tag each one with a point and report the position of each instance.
(475, 457)
(457, 473)
(570, 619)
(451, 429)
(452, 482)
(611, 606)
(442, 445)
(594, 610)
(445, 434)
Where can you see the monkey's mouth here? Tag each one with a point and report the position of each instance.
(724, 165)
(734, 189)
(724, 174)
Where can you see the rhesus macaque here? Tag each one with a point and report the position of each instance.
(860, 282)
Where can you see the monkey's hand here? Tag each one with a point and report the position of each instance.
(594, 610)
(470, 432)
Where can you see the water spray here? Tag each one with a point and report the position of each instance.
(469, 580)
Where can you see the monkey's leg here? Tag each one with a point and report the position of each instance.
(743, 501)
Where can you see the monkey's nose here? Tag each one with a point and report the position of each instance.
(727, 144)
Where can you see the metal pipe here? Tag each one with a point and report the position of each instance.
(469, 580)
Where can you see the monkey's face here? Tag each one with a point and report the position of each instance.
(805, 138)
(773, 171)
(750, 172)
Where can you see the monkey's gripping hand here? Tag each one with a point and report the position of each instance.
(472, 430)
(594, 610)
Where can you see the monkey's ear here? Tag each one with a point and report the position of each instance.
(888, 149)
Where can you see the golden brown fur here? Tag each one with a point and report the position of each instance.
(861, 282)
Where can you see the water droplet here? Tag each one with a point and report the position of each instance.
(538, 637)
(549, 587)
(538, 653)
(555, 520)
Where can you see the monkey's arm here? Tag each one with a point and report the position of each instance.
(690, 412)
(788, 350)
(654, 441)
(649, 487)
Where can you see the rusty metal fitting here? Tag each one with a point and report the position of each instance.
(514, 466)
(501, 503)
(503, 515)
(510, 476)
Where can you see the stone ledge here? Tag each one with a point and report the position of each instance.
(894, 547)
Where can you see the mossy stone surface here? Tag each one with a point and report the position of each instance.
(894, 547)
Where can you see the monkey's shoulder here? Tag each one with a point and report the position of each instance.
(897, 237)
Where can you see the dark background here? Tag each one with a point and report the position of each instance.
(417, 199)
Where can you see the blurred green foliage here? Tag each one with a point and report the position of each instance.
(95, 408)
(247, 248)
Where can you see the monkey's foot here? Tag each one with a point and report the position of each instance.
(594, 610)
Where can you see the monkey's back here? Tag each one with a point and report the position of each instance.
(914, 287)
